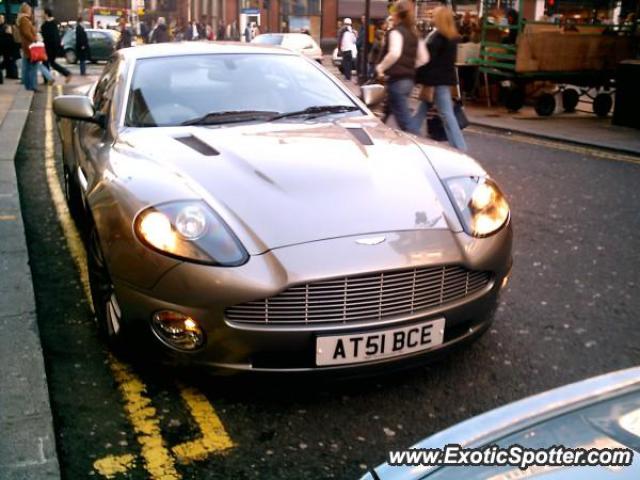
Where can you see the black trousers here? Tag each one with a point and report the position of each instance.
(51, 63)
(347, 64)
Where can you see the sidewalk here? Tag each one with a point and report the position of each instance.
(27, 445)
(581, 128)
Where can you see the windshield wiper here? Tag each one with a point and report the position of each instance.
(230, 116)
(317, 111)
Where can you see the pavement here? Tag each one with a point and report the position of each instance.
(581, 127)
(27, 449)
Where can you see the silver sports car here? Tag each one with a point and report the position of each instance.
(244, 211)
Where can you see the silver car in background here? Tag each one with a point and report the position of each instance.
(244, 211)
(298, 42)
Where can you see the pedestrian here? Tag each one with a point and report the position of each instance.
(144, 32)
(439, 75)
(27, 34)
(51, 37)
(82, 47)
(377, 49)
(221, 32)
(160, 34)
(126, 37)
(9, 51)
(403, 54)
(360, 39)
(247, 33)
(348, 49)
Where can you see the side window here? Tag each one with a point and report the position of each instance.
(104, 90)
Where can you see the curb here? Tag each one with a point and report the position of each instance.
(27, 447)
(556, 138)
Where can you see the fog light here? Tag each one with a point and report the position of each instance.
(177, 330)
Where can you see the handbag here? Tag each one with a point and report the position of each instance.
(458, 107)
(37, 52)
(461, 116)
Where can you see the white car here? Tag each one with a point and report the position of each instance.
(298, 42)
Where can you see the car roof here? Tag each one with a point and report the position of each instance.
(159, 50)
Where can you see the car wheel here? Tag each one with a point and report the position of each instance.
(105, 303)
(71, 57)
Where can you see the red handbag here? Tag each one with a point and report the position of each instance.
(37, 52)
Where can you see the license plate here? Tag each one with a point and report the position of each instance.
(375, 345)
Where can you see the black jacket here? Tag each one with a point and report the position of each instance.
(441, 68)
(405, 66)
(126, 38)
(51, 38)
(82, 43)
(160, 34)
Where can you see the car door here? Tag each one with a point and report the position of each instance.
(100, 45)
(91, 138)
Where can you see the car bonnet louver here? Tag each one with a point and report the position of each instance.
(198, 145)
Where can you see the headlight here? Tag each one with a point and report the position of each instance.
(480, 204)
(190, 230)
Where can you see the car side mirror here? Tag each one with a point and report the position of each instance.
(77, 107)
(372, 95)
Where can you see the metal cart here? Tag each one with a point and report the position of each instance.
(501, 59)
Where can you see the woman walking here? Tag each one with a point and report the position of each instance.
(403, 53)
(27, 36)
(440, 74)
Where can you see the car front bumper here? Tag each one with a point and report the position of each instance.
(203, 293)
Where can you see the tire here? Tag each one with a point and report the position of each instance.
(70, 56)
(107, 310)
(545, 105)
(514, 100)
(602, 104)
(570, 99)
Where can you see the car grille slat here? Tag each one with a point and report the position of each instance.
(364, 297)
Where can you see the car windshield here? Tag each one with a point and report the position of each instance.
(171, 91)
(268, 39)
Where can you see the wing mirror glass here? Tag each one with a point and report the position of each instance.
(77, 107)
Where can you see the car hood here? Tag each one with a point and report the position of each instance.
(282, 183)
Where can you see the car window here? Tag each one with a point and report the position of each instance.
(104, 89)
(171, 90)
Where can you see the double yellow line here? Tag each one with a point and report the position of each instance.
(157, 458)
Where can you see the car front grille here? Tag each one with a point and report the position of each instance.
(363, 297)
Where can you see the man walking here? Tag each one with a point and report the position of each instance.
(51, 38)
(82, 47)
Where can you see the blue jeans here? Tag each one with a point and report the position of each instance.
(46, 73)
(399, 91)
(83, 66)
(29, 74)
(444, 104)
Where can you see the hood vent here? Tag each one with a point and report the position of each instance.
(198, 145)
(361, 136)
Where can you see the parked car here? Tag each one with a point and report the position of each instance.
(298, 42)
(601, 412)
(102, 44)
(245, 211)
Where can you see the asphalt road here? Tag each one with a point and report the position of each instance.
(569, 312)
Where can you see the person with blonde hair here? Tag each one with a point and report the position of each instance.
(28, 35)
(439, 75)
(404, 52)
